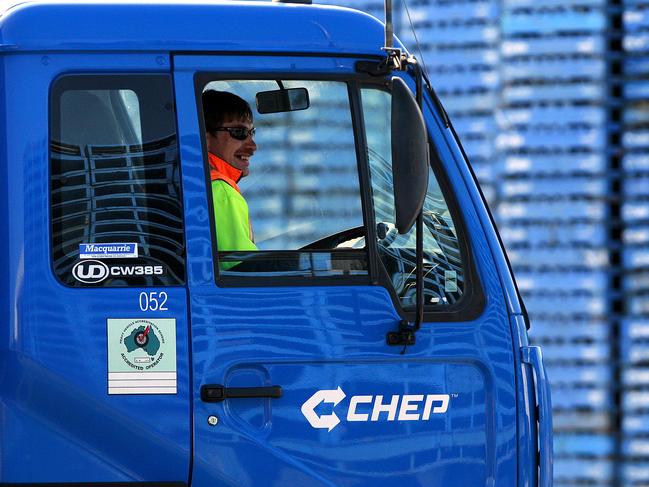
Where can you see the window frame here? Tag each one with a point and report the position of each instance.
(201, 79)
(115, 80)
(469, 306)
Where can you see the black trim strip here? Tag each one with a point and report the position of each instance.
(255, 54)
(362, 158)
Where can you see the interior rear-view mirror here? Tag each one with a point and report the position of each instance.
(286, 100)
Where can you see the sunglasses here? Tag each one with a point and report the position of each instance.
(239, 133)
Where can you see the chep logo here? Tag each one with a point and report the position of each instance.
(90, 271)
(407, 407)
(329, 421)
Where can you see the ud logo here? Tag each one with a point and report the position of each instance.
(90, 271)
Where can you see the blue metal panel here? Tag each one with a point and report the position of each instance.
(533, 356)
(240, 335)
(241, 27)
(59, 423)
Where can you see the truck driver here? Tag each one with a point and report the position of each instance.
(229, 133)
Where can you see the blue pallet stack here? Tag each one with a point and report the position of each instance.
(533, 90)
(459, 44)
(635, 218)
(553, 209)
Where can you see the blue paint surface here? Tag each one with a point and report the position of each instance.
(58, 422)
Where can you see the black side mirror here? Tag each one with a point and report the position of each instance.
(284, 100)
(410, 158)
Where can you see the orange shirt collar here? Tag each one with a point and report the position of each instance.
(220, 169)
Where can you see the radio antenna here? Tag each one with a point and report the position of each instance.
(389, 28)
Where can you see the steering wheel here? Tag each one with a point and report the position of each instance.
(333, 241)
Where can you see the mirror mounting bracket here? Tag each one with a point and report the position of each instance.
(404, 336)
(395, 61)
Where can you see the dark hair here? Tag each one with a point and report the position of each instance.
(221, 106)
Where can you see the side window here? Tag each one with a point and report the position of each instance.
(295, 201)
(443, 266)
(116, 214)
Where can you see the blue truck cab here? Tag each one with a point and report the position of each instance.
(134, 351)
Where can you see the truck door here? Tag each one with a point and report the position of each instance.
(94, 359)
(294, 382)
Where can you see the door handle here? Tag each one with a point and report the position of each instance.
(218, 393)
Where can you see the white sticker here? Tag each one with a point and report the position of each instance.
(107, 250)
(142, 356)
(450, 281)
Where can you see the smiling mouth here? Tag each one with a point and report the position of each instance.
(245, 158)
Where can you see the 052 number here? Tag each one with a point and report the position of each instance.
(153, 301)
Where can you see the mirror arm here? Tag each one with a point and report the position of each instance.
(419, 233)
(416, 176)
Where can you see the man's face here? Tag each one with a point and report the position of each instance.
(235, 152)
